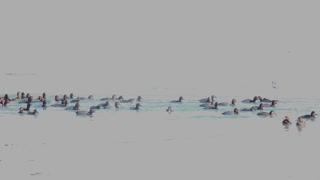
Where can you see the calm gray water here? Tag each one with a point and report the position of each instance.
(190, 143)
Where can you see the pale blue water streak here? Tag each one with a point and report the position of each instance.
(190, 106)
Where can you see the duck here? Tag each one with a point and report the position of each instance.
(264, 99)
(255, 98)
(76, 107)
(286, 121)
(300, 122)
(214, 106)
(178, 101)
(137, 107)
(253, 108)
(273, 104)
(131, 100)
(85, 113)
(233, 103)
(34, 112)
(114, 97)
(235, 111)
(311, 116)
(208, 99)
(169, 109)
(271, 113)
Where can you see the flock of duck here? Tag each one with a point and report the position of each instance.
(209, 103)
(206, 103)
(63, 102)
